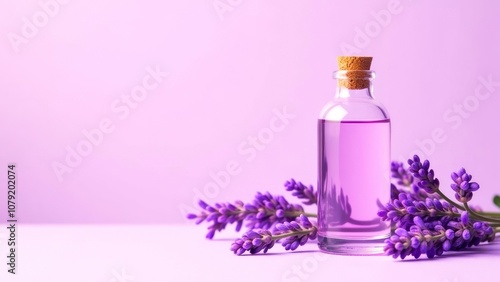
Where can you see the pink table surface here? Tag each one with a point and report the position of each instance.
(134, 253)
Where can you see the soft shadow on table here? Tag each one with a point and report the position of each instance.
(223, 239)
(281, 253)
(313, 242)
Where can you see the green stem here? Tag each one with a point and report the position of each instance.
(438, 237)
(298, 213)
(295, 233)
(493, 214)
(449, 200)
(287, 214)
(478, 216)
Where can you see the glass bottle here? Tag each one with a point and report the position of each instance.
(353, 164)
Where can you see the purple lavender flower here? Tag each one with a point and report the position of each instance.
(407, 206)
(407, 183)
(253, 241)
(264, 212)
(295, 233)
(301, 191)
(427, 221)
(463, 186)
(220, 215)
(435, 237)
(423, 175)
(403, 177)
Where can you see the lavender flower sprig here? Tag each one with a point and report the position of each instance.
(434, 238)
(266, 210)
(220, 215)
(407, 206)
(295, 233)
(263, 212)
(427, 221)
(463, 186)
(424, 176)
(301, 191)
(402, 176)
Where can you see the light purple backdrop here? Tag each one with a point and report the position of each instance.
(123, 111)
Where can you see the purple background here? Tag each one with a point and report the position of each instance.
(231, 67)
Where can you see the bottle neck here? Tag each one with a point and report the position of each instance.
(344, 92)
(354, 84)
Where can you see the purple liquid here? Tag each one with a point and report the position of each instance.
(354, 179)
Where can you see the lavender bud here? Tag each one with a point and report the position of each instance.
(464, 218)
(431, 252)
(411, 210)
(415, 243)
(430, 175)
(450, 234)
(260, 215)
(257, 242)
(461, 172)
(478, 225)
(464, 186)
(398, 204)
(401, 232)
(269, 205)
(399, 246)
(466, 234)
(423, 247)
(438, 205)
(392, 214)
(447, 245)
(466, 177)
(473, 186)
(280, 213)
(250, 208)
(221, 219)
(382, 213)
(419, 222)
(426, 164)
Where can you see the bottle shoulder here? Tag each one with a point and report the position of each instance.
(354, 110)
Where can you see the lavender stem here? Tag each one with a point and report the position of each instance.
(493, 214)
(438, 191)
(478, 216)
(295, 233)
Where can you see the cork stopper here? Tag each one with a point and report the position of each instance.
(355, 70)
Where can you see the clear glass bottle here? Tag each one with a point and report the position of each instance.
(353, 164)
